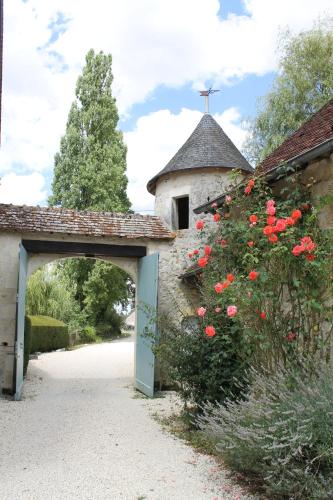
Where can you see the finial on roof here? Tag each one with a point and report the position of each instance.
(206, 94)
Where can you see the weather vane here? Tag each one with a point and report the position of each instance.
(206, 94)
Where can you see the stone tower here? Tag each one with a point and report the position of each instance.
(198, 172)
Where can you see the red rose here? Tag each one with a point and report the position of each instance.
(217, 217)
(230, 277)
(281, 225)
(200, 224)
(190, 255)
(263, 315)
(268, 230)
(195, 252)
(297, 214)
(253, 275)
(208, 250)
(210, 331)
(218, 287)
(273, 238)
(290, 221)
(202, 262)
(271, 220)
(247, 190)
(250, 244)
(251, 183)
(310, 257)
(253, 219)
(297, 250)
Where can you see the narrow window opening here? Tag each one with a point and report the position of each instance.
(183, 212)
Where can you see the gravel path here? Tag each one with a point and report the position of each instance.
(81, 432)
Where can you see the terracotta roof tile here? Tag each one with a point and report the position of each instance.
(15, 218)
(318, 129)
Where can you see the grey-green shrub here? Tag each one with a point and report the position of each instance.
(46, 334)
(282, 433)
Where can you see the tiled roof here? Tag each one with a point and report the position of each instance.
(317, 130)
(208, 146)
(15, 218)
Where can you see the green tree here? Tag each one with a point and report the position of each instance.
(49, 294)
(90, 168)
(303, 85)
(90, 173)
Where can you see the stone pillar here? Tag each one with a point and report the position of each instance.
(9, 244)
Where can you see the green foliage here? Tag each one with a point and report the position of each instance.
(88, 335)
(204, 370)
(303, 85)
(105, 286)
(46, 334)
(50, 294)
(90, 174)
(281, 433)
(290, 292)
(90, 168)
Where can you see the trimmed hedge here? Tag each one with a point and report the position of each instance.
(46, 334)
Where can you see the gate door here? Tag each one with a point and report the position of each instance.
(146, 309)
(20, 313)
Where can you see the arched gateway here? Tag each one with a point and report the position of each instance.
(33, 236)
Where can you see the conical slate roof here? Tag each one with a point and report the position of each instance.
(207, 146)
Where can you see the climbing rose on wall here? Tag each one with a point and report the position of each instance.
(201, 311)
(231, 311)
(210, 331)
(199, 224)
(202, 262)
(253, 275)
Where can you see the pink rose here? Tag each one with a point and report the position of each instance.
(231, 311)
(201, 311)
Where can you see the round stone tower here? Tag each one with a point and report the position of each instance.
(197, 173)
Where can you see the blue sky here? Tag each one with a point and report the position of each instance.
(163, 51)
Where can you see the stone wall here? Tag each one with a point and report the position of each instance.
(9, 244)
(200, 185)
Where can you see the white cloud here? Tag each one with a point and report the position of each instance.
(22, 189)
(153, 43)
(157, 137)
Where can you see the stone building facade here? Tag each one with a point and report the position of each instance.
(198, 172)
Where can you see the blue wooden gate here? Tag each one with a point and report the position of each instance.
(20, 313)
(146, 308)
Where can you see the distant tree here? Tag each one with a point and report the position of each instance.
(303, 85)
(48, 294)
(90, 173)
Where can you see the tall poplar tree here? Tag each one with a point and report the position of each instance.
(90, 174)
(303, 85)
(90, 167)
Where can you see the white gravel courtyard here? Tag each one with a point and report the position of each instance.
(81, 432)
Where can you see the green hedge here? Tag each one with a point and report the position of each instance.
(45, 333)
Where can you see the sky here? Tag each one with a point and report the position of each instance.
(164, 52)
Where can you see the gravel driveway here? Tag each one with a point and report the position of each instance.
(81, 432)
